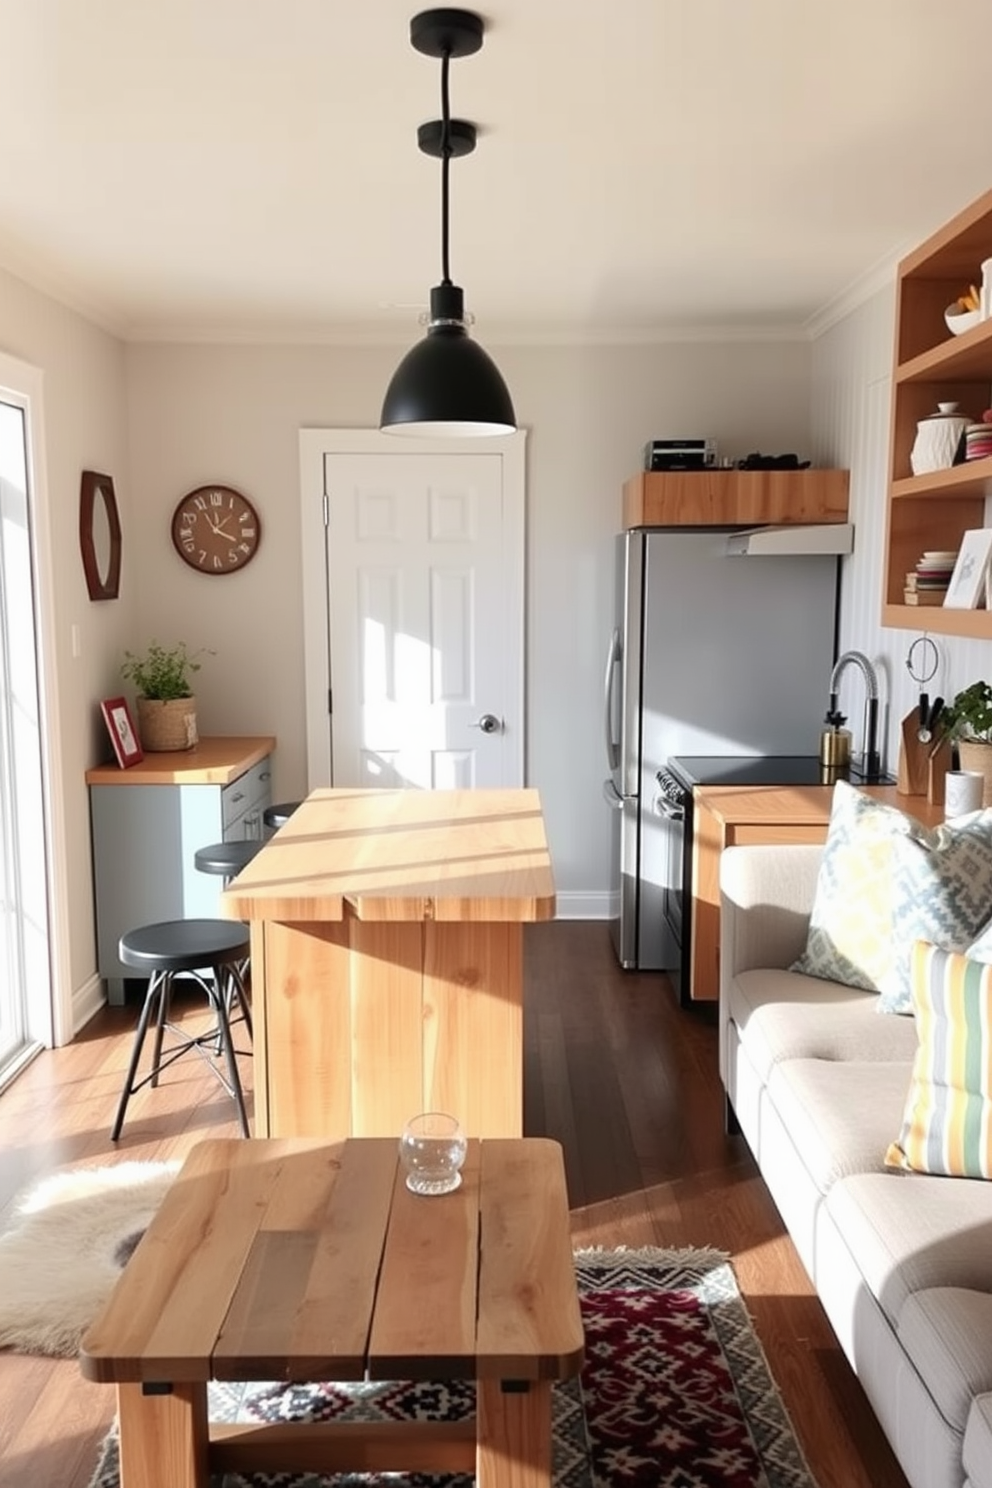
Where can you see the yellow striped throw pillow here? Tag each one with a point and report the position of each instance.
(947, 1123)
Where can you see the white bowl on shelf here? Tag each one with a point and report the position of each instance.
(959, 321)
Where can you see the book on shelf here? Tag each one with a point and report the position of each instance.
(924, 596)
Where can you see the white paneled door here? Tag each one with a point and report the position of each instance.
(423, 616)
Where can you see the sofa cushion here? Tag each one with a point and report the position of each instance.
(886, 880)
(783, 1015)
(947, 1123)
(909, 1232)
(977, 1454)
(947, 1333)
(838, 1114)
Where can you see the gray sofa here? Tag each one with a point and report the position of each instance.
(902, 1262)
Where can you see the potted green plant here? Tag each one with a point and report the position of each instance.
(967, 720)
(166, 705)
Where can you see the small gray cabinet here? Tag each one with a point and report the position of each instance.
(147, 826)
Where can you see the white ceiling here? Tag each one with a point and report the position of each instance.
(233, 168)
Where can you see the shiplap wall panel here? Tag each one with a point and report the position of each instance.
(851, 396)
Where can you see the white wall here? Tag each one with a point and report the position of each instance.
(232, 414)
(851, 391)
(84, 416)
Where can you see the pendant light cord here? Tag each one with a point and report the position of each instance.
(445, 160)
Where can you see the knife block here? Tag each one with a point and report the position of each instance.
(913, 778)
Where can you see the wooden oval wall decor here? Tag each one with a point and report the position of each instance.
(99, 535)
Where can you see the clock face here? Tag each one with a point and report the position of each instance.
(216, 530)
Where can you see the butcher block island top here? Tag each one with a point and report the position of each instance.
(460, 855)
(387, 959)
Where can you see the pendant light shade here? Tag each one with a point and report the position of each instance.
(447, 384)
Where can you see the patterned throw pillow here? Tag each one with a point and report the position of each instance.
(886, 880)
(947, 1124)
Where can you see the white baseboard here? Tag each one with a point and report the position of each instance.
(87, 1001)
(585, 906)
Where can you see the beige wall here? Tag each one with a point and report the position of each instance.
(84, 418)
(161, 419)
(232, 414)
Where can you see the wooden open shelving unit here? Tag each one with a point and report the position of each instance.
(930, 366)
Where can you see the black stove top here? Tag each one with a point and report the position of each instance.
(748, 769)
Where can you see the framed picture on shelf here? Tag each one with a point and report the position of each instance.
(123, 734)
(966, 590)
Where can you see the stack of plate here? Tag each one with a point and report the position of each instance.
(978, 441)
(930, 580)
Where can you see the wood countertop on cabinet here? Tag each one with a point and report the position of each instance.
(728, 816)
(215, 761)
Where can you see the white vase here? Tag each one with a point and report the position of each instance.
(938, 438)
(985, 295)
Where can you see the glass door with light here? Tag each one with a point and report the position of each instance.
(25, 973)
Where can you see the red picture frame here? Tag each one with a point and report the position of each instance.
(123, 734)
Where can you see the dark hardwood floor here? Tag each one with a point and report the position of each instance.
(615, 1071)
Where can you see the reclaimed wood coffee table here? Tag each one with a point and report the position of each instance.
(299, 1260)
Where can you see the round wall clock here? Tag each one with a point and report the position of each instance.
(216, 530)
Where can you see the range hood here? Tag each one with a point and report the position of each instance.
(823, 537)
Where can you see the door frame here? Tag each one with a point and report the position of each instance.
(315, 444)
(23, 385)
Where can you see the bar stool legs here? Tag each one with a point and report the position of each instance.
(189, 946)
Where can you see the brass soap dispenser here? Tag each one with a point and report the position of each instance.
(835, 745)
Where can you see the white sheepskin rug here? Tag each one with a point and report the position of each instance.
(70, 1238)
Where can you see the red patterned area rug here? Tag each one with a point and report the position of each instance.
(675, 1391)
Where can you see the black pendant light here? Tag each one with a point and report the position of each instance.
(447, 384)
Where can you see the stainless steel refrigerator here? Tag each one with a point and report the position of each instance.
(719, 648)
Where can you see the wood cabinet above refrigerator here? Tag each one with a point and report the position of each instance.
(728, 498)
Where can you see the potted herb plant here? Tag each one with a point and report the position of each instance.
(166, 705)
(968, 722)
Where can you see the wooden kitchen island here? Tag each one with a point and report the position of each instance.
(387, 959)
(729, 815)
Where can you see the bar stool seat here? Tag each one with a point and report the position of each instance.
(278, 816)
(227, 858)
(212, 951)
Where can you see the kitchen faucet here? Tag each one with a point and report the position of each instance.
(870, 761)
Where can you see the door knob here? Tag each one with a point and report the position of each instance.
(488, 723)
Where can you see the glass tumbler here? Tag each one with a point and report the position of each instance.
(432, 1151)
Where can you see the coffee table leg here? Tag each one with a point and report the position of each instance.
(163, 1438)
(513, 1436)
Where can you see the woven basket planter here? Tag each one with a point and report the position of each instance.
(167, 725)
(975, 755)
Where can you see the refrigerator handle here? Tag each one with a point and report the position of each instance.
(612, 663)
(612, 796)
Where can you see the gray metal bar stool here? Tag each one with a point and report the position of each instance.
(212, 950)
(278, 816)
(227, 858)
